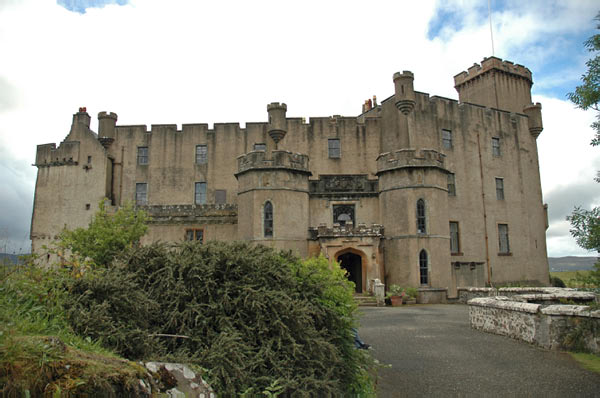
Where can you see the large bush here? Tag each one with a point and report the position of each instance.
(254, 318)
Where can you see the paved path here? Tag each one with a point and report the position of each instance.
(434, 352)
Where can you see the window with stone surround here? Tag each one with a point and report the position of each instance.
(451, 184)
(421, 219)
(142, 155)
(334, 148)
(141, 193)
(194, 235)
(499, 188)
(201, 154)
(268, 220)
(503, 243)
(423, 268)
(343, 214)
(200, 193)
(454, 238)
(496, 146)
(447, 139)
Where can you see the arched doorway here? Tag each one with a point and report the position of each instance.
(352, 263)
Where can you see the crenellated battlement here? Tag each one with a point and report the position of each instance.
(189, 214)
(409, 158)
(49, 155)
(107, 115)
(279, 159)
(493, 63)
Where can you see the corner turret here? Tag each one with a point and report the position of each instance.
(106, 124)
(277, 127)
(404, 91)
(534, 113)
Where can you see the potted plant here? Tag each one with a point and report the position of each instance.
(411, 295)
(396, 294)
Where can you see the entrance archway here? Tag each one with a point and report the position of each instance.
(352, 263)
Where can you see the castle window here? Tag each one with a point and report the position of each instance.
(200, 193)
(260, 147)
(141, 193)
(451, 184)
(454, 238)
(334, 149)
(343, 215)
(220, 196)
(142, 155)
(447, 139)
(201, 154)
(421, 221)
(268, 220)
(503, 244)
(423, 268)
(500, 188)
(495, 146)
(194, 235)
(89, 159)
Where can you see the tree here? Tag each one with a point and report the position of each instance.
(586, 223)
(107, 234)
(587, 95)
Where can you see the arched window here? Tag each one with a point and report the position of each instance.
(423, 269)
(421, 224)
(268, 220)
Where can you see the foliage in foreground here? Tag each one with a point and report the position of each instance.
(39, 352)
(251, 316)
(107, 235)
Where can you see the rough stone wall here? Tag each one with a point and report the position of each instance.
(555, 327)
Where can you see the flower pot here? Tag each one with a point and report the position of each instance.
(396, 301)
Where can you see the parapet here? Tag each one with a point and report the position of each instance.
(406, 158)
(276, 105)
(492, 63)
(107, 115)
(49, 155)
(280, 159)
(362, 230)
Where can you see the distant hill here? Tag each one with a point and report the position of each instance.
(571, 263)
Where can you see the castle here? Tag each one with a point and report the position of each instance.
(419, 191)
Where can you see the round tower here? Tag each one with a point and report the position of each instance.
(273, 199)
(277, 127)
(413, 203)
(404, 91)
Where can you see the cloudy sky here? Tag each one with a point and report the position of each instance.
(178, 61)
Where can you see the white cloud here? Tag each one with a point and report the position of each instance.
(152, 61)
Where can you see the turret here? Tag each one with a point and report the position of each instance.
(534, 113)
(277, 122)
(106, 124)
(404, 91)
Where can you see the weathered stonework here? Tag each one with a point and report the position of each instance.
(346, 187)
(555, 327)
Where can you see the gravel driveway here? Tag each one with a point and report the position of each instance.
(433, 352)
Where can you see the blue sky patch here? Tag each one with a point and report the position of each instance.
(81, 6)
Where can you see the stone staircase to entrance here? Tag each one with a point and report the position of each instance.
(365, 300)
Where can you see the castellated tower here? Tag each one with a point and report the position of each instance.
(413, 198)
(495, 84)
(273, 199)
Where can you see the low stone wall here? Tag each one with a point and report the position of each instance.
(432, 295)
(537, 295)
(556, 327)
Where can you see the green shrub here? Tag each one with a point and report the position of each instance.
(255, 318)
(557, 282)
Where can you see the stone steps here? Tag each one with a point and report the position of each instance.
(365, 300)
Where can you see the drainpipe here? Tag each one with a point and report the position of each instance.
(487, 248)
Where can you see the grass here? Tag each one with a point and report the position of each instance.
(39, 352)
(588, 361)
(569, 277)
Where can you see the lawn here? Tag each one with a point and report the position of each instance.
(569, 277)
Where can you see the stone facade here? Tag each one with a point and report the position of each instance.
(419, 191)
